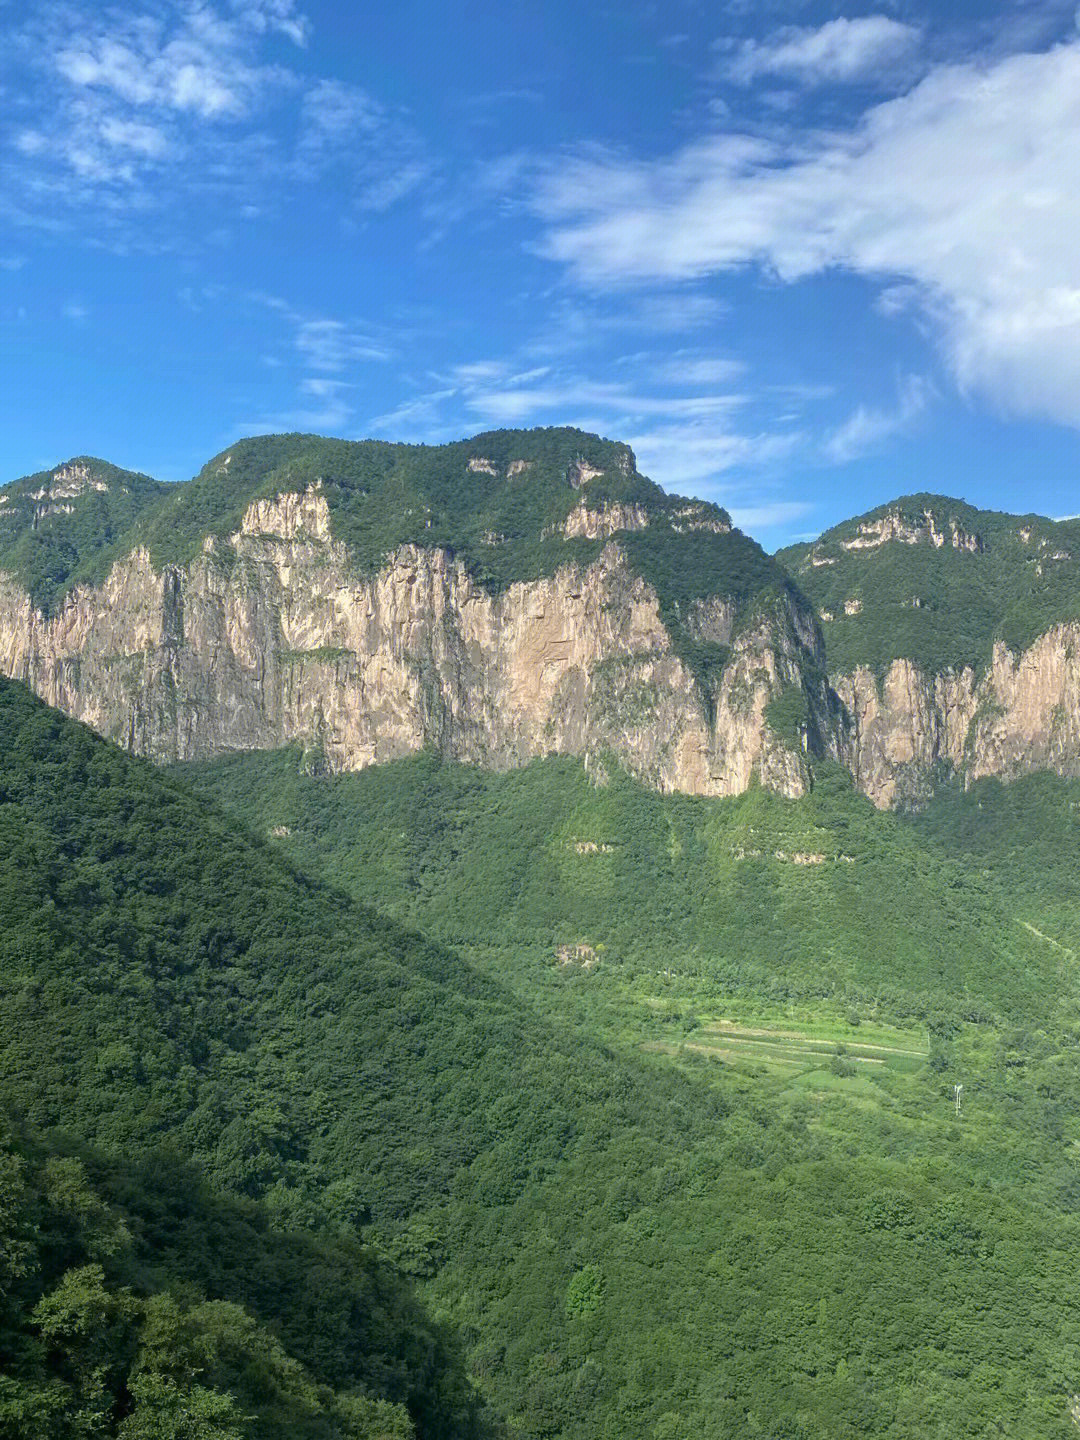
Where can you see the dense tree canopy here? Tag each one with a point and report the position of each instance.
(660, 1166)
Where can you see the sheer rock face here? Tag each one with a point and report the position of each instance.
(893, 527)
(274, 637)
(1022, 715)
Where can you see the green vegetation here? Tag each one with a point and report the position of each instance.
(837, 1252)
(53, 541)
(631, 1233)
(429, 1102)
(752, 892)
(503, 520)
(940, 605)
(137, 1303)
(1023, 839)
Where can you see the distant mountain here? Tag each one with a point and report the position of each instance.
(953, 640)
(516, 594)
(63, 527)
(526, 593)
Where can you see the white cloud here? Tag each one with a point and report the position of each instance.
(330, 412)
(967, 189)
(866, 427)
(334, 112)
(841, 50)
(201, 62)
(145, 108)
(422, 416)
(130, 135)
(687, 443)
(333, 345)
(694, 457)
(269, 16)
(510, 404)
(690, 370)
(343, 127)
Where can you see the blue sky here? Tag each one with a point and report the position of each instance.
(803, 257)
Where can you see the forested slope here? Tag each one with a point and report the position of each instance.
(936, 581)
(629, 1239)
(820, 898)
(839, 1251)
(135, 1302)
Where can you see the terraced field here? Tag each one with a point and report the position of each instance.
(805, 1055)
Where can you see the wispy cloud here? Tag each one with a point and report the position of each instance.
(695, 442)
(323, 342)
(773, 515)
(323, 407)
(867, 428)
(686, 370)
(336, 349)
(346, 130)
(839, 51)
(134, 112)
(197, 60)
(967, 189)
(334, 345)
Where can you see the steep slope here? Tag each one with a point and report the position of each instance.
(635, 1242)
(519, 594)
(757, 892)
(136, 1303)
(779, 952)
(952, 638)
(64, 526)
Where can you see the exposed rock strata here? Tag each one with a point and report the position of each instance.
(894, 527)
(275, 638)
(1022, 715)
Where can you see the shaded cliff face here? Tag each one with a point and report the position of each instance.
(953, 640)
(274, 633)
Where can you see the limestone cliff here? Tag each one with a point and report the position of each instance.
(1021, 714)
(273, 634)
(952, 637)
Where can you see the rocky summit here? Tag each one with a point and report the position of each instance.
(525, 593)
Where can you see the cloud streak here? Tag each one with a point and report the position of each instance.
(137, 111)
(701, 442)
(839, 52)
(966, 189)
(867, 428)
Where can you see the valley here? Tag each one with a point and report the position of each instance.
(539, 721)
(620, 1100)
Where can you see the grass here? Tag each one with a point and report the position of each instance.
(770, 1045)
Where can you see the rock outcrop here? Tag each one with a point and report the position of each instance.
(274, 636)
(1022, 714)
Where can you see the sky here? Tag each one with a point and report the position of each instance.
(803, 257)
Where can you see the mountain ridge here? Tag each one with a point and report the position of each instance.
(951, 635)
(518, 593)
(528, 592)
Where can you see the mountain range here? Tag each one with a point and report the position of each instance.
(525, 593)
(548, 968)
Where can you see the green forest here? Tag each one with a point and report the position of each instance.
(308, 1139)
(428, 1101)
(941, 604)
